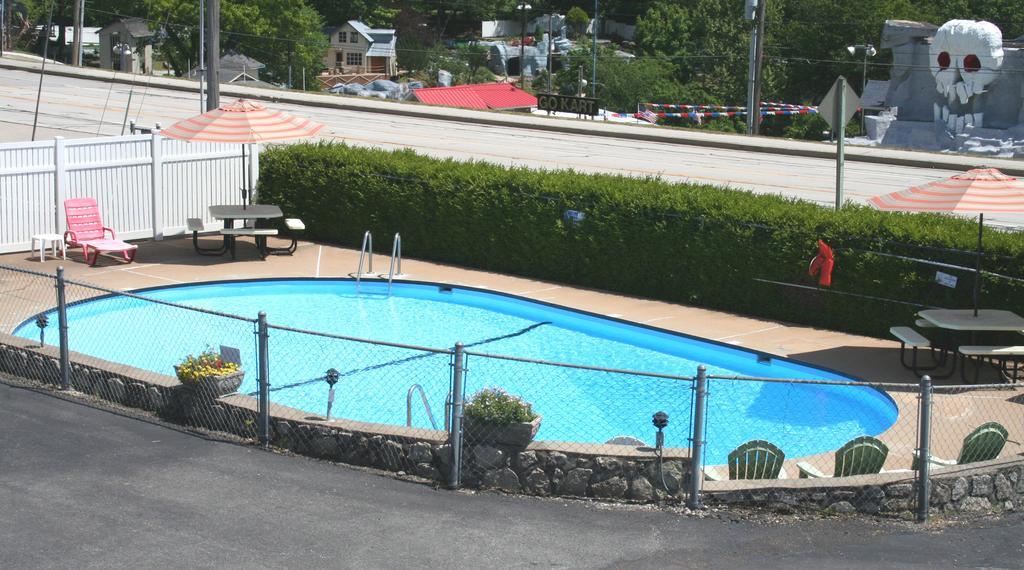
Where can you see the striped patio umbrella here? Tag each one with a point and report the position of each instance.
(243, 122)
(974, 192)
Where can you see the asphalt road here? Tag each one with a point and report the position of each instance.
(75, 107)
(82, 487)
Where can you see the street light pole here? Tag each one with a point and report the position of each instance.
(869, 51)
(551, 38)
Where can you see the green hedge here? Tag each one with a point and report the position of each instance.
(692, 244)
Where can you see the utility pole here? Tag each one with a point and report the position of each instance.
(3, 26)
(81, 28)
(202, 56)
(213, 55)
(593, 78)
(750, 14)
(42, 71)
(8, 14)
(76, 43)
(8, 10)
(755, 110)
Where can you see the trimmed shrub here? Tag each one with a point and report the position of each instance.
(686, 243)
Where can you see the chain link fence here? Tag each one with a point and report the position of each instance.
(566, 429)
(809, 429)
(358, 401)
(594, 428)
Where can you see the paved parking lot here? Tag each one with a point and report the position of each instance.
(83, 487)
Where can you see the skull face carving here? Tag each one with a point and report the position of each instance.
(965, 58)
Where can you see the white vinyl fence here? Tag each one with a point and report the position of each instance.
(146, 185)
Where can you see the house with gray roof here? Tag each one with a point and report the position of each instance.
(237, 68)
(357, 48)
(127, 45)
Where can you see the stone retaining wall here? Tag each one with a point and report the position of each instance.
(991, 486)
(541, 469)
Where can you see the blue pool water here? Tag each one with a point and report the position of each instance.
(576, 405)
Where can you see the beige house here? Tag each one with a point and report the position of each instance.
(356, 48)
(126, 45)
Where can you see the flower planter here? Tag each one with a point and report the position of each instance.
(515, 435)
(194, 397)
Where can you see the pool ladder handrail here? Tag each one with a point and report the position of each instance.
(365, 251)
(426, 406)
(396, 258)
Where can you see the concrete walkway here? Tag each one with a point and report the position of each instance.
(88, 488)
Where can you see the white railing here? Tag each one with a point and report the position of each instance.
(146, 185)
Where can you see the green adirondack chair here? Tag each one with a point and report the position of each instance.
(757, 459)
(860, 456)
(982, 444)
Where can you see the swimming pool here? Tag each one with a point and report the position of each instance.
(577, 405)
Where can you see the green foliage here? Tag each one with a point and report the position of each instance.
(413, 54)
(622, 83)
(473, 58)
(806, 127)
(577, 20)
(664, 30)
(693, 244)
(278, 33)
(495, 406)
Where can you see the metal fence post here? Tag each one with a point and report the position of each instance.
(455, 437)
(924, 449)
(62, 324)
(263, 421)
(697, 441)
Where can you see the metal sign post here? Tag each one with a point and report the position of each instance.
(840, 141)
(837, 108)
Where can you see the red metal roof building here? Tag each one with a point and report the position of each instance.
(477, 96)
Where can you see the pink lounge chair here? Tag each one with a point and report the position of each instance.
(86, 230)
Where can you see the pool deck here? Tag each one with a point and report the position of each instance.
(173, 261)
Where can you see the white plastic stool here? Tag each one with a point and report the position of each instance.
(52, 240)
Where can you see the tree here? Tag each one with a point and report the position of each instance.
(279, 33)
(664, 30)
(622, 82)
(294, 39)
(474, 56)
(577, 20)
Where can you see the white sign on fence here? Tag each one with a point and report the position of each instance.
(146, 185)
(945, 279)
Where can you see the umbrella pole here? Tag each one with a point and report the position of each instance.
(248, 174)
(244, 193)
(977, 264)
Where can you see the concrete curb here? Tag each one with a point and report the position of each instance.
(725, 141)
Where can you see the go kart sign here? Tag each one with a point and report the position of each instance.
(563, 104)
